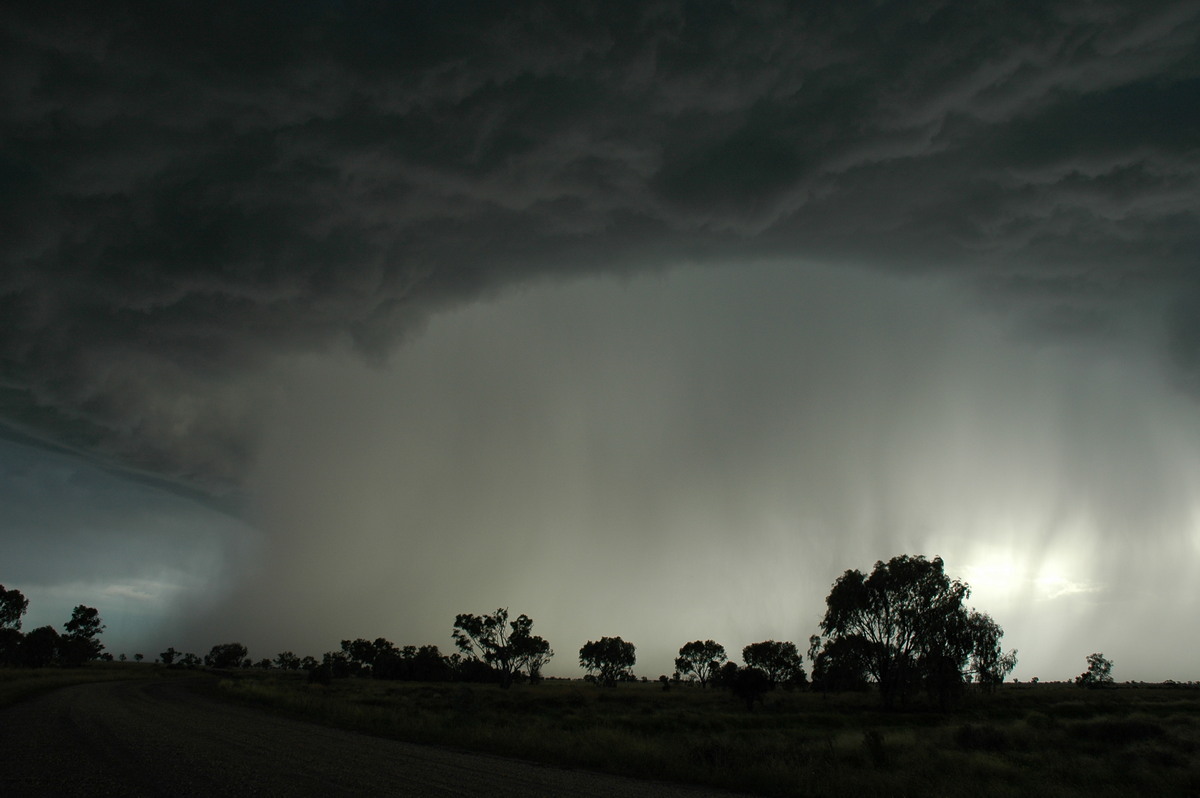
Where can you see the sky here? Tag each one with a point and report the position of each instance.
(334, 319)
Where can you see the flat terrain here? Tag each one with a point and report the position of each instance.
(145, 730)
(1046, 739)
(163, 737)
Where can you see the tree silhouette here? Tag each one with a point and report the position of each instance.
(749, 684)
(780, 661)
(427, 664)
(905, 626)
(336, 663)
(723, 676)
(1099, 672)
(508, 647)
(608, 660)
(79, 643)
(13, 605)
(40, 647)
(839, 664)
(226, 655)
(360, 654)
(700, 658)
(989, 664)
(168, 656)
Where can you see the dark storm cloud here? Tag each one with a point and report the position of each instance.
(191, 192)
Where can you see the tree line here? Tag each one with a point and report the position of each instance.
(904, 628)
(76, 644)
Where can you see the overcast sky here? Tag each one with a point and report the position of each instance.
(326, 320)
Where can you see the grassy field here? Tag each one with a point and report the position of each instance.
(19, 683)
(1056, 740)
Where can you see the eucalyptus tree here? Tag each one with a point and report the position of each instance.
(509, 647)
(779, 660)
(608, 660)
(905, 626)
(701, 658)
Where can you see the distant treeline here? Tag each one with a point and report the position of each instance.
(902, 629)
(44, 646)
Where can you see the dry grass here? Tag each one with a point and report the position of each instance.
(20, 683)
(1023, 740)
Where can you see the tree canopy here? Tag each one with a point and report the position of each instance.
(508, 646)
(608, 660)
(905, 626)
(226, 655)
(780, 661)
(79, 643)
(1099, 671)
(13, 605)
(700, 658)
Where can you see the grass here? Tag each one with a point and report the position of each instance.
(17, 684)
(1053, 740)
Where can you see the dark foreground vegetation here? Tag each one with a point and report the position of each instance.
(907, 696)
(18, 684)
(1044, 739)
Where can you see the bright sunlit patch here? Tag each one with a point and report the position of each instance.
(1052, 585)
(999, 574)
(130, 595)
(995, 577)
(143, 591)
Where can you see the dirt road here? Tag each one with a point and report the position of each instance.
(160, 737)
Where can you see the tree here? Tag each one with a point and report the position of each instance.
(749, 684)
(428, 665)
(906, 626)
(336, 663)
(507, 646)
(700, 658)
(534, 653)
(838, 665)
(608, 660)
(226, 655)
(40, 647)
(1099, 672)
(780, 661)
(79, 643)
(10, 646)
(138, 657)
(989, 664)
(287, 661)
(724, 676)
(168, 656)
(360, 654)
(13, 605)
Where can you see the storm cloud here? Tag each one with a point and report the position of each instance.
(192, 193)
(205, 208)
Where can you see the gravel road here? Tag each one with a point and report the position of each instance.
(150, 738)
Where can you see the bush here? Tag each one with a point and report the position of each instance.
(322, 674)
(1118, 732)
(970, 737)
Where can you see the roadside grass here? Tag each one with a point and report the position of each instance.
(17, 684)
(1050, 740)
